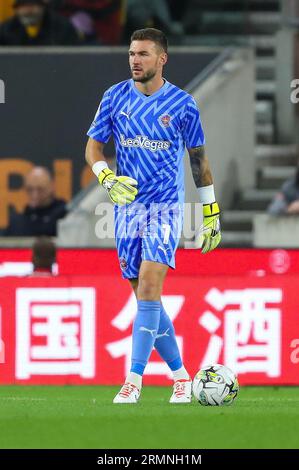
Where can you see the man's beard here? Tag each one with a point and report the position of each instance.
(146, 77)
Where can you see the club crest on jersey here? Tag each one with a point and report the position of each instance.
(123, 264)
(165, 120)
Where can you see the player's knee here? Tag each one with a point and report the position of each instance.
(148, 289)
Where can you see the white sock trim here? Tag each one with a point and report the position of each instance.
(97, 167)
(134, 379)
(180, 374)
(206, 194)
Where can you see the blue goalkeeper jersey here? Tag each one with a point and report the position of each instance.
(150, 135)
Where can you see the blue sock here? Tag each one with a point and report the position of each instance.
(166, 344)
(145, 330)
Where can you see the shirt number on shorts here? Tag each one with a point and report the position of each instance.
(166, 228)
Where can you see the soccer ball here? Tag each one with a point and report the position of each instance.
(215, 385)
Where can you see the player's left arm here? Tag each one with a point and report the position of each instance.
(202, 176)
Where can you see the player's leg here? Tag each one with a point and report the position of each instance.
(146, 324)
(129, 253)
(160, 245)
(150, 280)
(145, 328)
(167, 347)
(134, 285)
(166, 343)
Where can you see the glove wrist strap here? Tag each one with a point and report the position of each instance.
(209, 210)
(98, 167)
(104, 174)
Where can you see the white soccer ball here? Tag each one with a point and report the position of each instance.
(215, 385)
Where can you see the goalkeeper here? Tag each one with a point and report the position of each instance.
(151, 121)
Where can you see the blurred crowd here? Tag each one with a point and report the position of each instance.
(92, 22)
(86, 22)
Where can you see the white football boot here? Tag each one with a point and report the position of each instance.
(182, 391)
(128, 393)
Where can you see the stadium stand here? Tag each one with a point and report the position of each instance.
(256, 24)
(264, 27)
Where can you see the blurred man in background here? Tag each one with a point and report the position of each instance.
(43, 257)
(43, 209)
(286, 201)
(33, 24)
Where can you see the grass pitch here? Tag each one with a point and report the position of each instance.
(84, 417)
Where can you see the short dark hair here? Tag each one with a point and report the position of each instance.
(151, 34)
(43, 253)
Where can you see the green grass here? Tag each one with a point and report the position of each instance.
(84, 417)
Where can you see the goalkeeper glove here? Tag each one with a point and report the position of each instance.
(210, 231)
(120, 189)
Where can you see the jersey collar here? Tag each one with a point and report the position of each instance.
(155, 95)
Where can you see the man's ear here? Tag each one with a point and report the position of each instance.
(163, 58)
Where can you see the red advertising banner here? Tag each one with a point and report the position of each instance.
(223, 261)
(77, 329)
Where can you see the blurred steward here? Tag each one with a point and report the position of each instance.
(286, 201)
(85, 26)
(43, 257)
(108, 16)
(43, 209)
(34, 24)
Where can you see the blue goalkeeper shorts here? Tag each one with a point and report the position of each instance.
(150, 233)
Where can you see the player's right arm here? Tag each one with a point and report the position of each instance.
(94, 152)
(121, 189)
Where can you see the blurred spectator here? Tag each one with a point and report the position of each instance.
(43, 257)
(108, 16)
(6, 9)
(152, 14)
(286, 201)
(43, 210)
(84, 24)
(34, 24)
